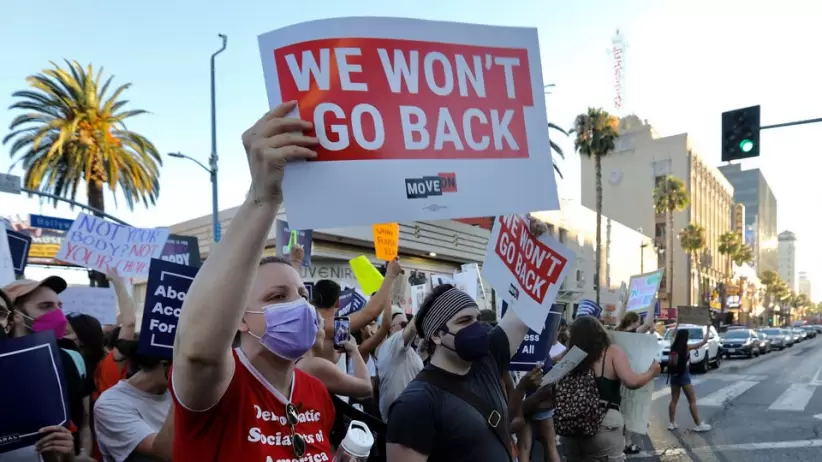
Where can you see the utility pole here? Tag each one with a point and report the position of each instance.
(212, 160)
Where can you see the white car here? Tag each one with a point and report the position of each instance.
(701, 358)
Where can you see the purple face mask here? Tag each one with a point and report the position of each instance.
(290, 328)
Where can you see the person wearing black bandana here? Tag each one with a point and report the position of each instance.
(456, 408)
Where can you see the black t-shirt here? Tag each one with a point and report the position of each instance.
(76, 389)
(446, 428)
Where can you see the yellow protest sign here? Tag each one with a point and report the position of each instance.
(367, 275)
(387, 241)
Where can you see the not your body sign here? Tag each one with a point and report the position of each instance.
(98, 244)
(451, 106)
(526, 272)
(166, 290)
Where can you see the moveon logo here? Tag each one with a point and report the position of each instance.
(419, 188)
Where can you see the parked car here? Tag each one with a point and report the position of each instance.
(661, 342)
(800, 334)
(764, 343)
(701, 358)
(789, 337)
(810, 330)
(741, 342)
(818, 328)
(778, 337)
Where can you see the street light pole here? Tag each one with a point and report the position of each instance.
(212, 160)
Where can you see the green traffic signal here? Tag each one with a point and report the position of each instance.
(746, 145)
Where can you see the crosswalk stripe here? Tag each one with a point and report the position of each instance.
(723, 395)
(794, 398)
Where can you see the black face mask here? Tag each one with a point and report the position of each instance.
(472, 342)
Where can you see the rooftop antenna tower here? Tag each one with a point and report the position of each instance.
(617, 53)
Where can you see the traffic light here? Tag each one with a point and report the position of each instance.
(740, 134)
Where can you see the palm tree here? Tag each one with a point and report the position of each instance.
(670, 196)
(596, 132)
(775, 289)
(730, 246)
(743, 255)
(74, 131)
(556, 148)
(692, 239)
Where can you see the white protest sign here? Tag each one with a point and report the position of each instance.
(642, 291)
(642, 350)
(6, 263)
(428, 113)
(440, 279)
(468, 283)
(418, 294)
(98, 302)
(101, 245)
(526, 272)
(698, 315)
(572, 358)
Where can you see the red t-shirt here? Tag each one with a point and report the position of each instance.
(248, 423)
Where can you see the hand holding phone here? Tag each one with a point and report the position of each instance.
(342, 332)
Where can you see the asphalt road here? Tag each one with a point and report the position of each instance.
(761, 409)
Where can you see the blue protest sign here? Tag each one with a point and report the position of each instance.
(350, 302)
(33, 389)
(309, 286)
(166, 290)
(284, 241)
(19, 245)
(184, 250)
(536, 347)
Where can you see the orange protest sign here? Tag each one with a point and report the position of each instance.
(387, 241)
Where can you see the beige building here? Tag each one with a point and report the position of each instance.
(629, 174)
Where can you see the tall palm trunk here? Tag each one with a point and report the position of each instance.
(597, 275)
(670, 278)
(97, 201)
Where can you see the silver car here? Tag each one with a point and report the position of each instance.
(777, 337)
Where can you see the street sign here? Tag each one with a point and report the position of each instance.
(10, 183)
(46, 222)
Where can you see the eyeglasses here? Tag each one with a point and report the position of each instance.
(297, 440)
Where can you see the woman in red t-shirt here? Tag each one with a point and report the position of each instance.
(250, 402)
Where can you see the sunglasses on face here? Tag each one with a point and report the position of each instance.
(297, 440)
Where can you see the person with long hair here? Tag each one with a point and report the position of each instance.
(250, 402)
(680, 377)
(631, 322)
(611, 369)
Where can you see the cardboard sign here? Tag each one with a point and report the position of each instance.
(19, 245)
(536, 346)
(387, 241)
(427, 113)
(98, 302)
(101, 245)
(572, 358)
(351, 301)
(698, 315)
(183, 250)
(286, 237)
(526, 272)
(468, 282)
(7, 275)
(166, 289)
(642, 290)
(36, 397)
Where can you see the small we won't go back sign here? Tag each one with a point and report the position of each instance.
(526, 271)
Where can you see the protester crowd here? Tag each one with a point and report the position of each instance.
(257, 375)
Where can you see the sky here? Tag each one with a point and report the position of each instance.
(686, 63)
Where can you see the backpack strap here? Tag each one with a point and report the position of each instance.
(492, 416)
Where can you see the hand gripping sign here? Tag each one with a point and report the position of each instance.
(526, 272)
(427, 113)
